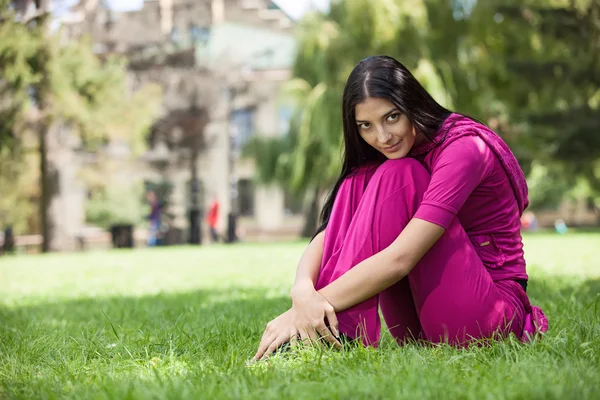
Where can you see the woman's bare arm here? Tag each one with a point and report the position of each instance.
(385, 268)
(307, 272)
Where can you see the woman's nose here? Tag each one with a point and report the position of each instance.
(382, 135)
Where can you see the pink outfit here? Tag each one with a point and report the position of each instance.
(465, 286)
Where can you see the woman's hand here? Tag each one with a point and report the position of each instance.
(312, 309)
(306, 318)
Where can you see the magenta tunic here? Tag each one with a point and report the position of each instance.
(468, 182)
(465, 287)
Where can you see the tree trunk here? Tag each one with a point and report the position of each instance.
(41, 95)
(50, 188)
(45, 192)
(311, 220)
(195, 233)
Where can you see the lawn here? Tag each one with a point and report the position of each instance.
(182, 322)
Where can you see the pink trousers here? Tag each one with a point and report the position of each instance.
(449, 296)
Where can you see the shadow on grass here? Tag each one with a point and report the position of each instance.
(219, 316)
(203, 321)
(74, 346)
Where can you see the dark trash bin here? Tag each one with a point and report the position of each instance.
(9, 242)
(122, 236)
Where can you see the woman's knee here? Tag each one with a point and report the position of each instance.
(404, 171)
(389, 176)
(359, 178)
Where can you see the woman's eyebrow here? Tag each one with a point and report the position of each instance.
(393, 110)
(387, 114)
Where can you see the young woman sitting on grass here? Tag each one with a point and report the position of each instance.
(424, 222)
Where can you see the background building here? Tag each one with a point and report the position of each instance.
(221, 65)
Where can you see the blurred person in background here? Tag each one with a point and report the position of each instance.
(211, 218)
(423, 224)
(529, 221)
(561, 226)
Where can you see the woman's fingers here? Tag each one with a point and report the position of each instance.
(308, 335)
(265, 334)
(328, 336)
(285, 329)
(333, 322)
(271, 341)
(279, 340)
(261, 350)
(303, 332)
(312, 334)
(294, 336)
(263, 346)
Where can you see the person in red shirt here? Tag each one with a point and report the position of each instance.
(212, 218)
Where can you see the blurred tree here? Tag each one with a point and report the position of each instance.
(539, 61)
(18, 47)
(19, 188)
(329, 47)
(276, 162)
(47, 85)
(529, 69)
(555, 80)
(118, 205)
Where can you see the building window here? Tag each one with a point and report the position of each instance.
(199, 35)
(175, 36)
(242, 124)
(246, 197)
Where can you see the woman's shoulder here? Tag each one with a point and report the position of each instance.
(467, 144)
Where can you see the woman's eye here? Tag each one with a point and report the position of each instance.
(364, 126)
(393, 117)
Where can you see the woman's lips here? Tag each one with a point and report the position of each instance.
(392, 148)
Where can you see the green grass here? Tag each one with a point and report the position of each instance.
(182, 322)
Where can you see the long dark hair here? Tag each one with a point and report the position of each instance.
(386, 78)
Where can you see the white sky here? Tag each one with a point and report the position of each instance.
(294, 8)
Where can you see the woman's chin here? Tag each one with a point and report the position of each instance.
(395, 155)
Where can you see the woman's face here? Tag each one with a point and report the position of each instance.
(384, 128)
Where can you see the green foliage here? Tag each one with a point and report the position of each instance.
(329, 47)
(167, 323)
(45, 81)
(19, 46)
(19, 189)
(270, 153)
(534, 66)
(117, 205)
(547, 186)
(92, 95)
(527, 68)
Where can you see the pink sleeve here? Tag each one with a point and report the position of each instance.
(455, 173)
